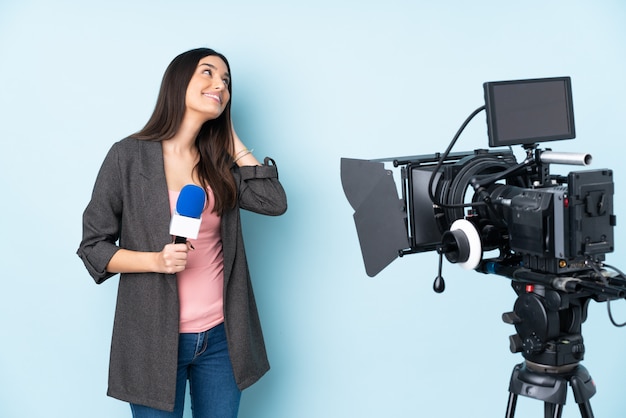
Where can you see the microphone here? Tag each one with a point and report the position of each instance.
(185, 222)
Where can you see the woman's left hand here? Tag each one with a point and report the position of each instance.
(241, 154)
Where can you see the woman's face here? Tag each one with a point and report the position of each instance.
(207, 93)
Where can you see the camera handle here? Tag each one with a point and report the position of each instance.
(439, 285)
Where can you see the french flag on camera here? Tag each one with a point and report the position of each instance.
(185, 222)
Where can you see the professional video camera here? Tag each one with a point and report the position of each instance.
(548, 233)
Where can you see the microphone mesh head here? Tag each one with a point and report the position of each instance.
(191, 201)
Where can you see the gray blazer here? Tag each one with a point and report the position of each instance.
(129, 208)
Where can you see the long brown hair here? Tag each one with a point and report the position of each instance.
(214, 141)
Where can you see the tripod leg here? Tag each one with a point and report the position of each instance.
(552, 410)
(583, 388)
(585, 410)
(510, 408)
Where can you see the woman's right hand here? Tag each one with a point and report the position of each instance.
(172, 258)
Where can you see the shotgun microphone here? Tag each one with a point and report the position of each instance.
(185, 222)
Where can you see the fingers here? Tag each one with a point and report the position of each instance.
(173, 257)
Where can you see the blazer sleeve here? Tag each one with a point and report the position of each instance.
(102, 219)
(260, 190)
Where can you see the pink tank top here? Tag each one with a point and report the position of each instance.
(201, 284)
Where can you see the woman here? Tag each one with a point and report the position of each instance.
(184, 311)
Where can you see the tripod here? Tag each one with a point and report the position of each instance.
(550, 386)
(548, 324)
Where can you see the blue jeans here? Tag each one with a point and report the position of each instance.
(203, 360)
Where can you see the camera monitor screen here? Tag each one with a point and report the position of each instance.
(529, 111)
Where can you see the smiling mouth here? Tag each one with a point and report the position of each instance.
(215, 97)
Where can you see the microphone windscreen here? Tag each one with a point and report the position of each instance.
(191, 201)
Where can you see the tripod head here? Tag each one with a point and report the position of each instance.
(550, 309)
(548, 324)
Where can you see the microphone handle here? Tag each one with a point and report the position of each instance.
(180, 240)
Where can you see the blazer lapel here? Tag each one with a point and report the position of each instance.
(155, 194)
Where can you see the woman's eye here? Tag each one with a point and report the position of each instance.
(226, 81)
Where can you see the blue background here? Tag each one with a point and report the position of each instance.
(313, 82)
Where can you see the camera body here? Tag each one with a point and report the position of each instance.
(550, 224)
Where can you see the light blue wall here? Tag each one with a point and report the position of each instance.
(313, 82)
